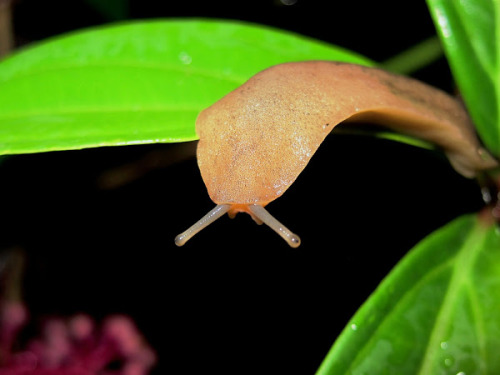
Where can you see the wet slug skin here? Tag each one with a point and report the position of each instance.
(255, 141)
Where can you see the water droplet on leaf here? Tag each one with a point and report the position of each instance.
(185, 58)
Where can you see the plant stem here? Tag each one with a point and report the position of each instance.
(6, 34)
(416, 57)
(12, 264)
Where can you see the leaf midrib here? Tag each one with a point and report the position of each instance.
(496, 84)
(97, 110)
(407, 294)
(477, 56)
(464, 263)
(188, 70)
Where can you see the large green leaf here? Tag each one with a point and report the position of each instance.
(470, 32)
(139, 82)
(438, 311)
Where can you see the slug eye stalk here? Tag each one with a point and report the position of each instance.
(262, 214)
(201, 224)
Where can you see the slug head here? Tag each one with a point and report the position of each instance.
(256, 140)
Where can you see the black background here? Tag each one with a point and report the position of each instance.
(236, 298)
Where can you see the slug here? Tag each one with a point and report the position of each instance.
(256, 140)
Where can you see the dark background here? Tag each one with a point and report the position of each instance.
(236, 298)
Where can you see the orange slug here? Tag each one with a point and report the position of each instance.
(256, 140)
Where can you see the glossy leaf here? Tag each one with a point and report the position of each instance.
(437, 312)
(470, 33)
(141, 82)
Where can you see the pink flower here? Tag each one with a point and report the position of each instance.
(74, 346)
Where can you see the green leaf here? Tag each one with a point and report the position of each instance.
(437, 312)
(141, 82)
(470, 33)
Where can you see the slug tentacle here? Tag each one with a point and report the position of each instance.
(206, 220)
(258, 213)
(262, 214)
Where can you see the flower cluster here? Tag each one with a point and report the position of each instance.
(74, 346)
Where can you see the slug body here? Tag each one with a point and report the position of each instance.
(256, 140)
